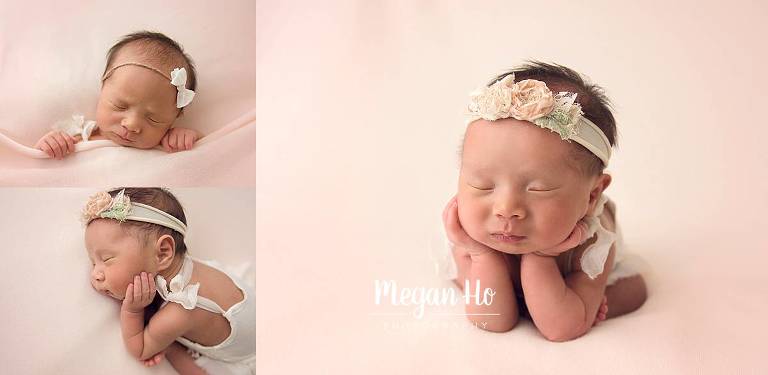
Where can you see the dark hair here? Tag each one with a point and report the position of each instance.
(161, 199)
(591, 97)
(158, 48)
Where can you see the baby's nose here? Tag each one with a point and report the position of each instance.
(131, 123)
(97, 275)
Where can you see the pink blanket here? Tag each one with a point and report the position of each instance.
(225, 157)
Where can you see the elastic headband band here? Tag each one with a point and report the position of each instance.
(149, 214)
(178, 78)
(531, 100)
(109, 72)
(104, 206)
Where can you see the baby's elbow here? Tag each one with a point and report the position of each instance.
(564, 335)
(498, 326)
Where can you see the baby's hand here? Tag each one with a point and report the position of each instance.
(456, 232)
(179, 139)
(576, 238)
(140, 293)
(56, 144)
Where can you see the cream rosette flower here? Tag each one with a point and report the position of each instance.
(493, 102)
(531, 99)
(96, 204)
(102, 205)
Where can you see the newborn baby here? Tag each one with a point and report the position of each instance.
(530, 219)
(147, 82)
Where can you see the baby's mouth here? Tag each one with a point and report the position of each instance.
(122, 138)
(507, 238)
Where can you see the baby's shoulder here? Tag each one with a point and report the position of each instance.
(216, 285)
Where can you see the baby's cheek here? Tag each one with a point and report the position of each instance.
(472, 217)
(556, 229)
(151, 138)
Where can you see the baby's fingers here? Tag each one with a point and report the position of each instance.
(66, 142)
(164, 143)
(452, 225)
(173, 140)
(189, 140)
(144, 283)
(54, 146)
(62, 143)
(152, 287)
(43, 146)
(128, 295)
(137, 289)
(448, 206)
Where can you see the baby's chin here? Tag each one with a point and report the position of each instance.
(141, 144)
(516, 249)
(114, 296)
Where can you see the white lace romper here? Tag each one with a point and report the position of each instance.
(237, 353)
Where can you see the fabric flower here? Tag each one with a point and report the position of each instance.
(96, 204)
(119, 209)
(493, 103)
(531, 99)
(564, 117)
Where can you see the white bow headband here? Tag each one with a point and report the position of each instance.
(531, 100)
(178, 78)
(102, 205)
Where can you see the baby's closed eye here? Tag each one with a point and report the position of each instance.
(118, 107)
(541, 188)
(484, 187)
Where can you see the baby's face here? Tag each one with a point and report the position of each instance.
(136, 107)
(518, 193)
(116, 257)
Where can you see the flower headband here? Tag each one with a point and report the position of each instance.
(178, 78)
(531, 100)
(104, 206)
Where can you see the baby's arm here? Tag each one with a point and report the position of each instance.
(479, 263)
(57, 144)
(179, 139)
(562, 309)
(164, 327)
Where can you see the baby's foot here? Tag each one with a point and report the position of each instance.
(602, 312)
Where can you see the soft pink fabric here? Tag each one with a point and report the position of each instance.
(52, 56)
(223, 158)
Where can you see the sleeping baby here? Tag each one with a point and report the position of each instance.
(147, 82)
(530, 218)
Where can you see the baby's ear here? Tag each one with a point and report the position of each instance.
(598, 187)
(165, 251)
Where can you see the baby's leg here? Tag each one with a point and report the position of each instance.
(625, 295)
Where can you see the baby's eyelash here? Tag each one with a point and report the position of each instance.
(479, 188)
(541, 189)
